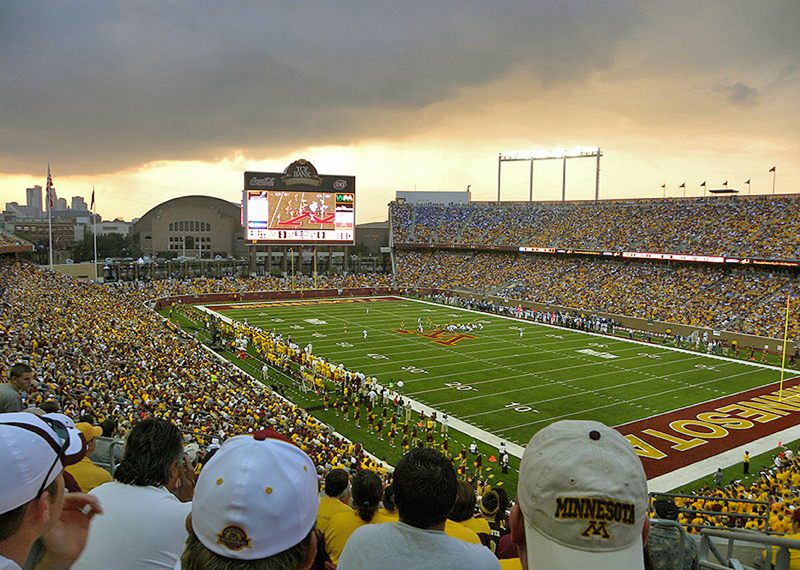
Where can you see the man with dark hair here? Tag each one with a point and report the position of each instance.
(335, 499)
(425, 490)
(254, 508)
(32, 501)
(20, 379)
(146, 504)
(665, 546)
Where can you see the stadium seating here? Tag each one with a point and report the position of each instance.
(752, 302)
(757, 226)
(100, 353)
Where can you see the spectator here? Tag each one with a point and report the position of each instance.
(794, 554)
(32, 499)
(493, 510)
(582, 500)
(87, 474)
(20, 379)
(335, 498)
(389, 508)
(104, 445)
(254, 507)
(367, 494)
(146, 504)
(425, 490)
(663, 542)
(463, 513)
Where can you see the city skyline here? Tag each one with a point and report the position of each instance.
(149, 102)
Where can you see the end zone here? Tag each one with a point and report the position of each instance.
(674, 440)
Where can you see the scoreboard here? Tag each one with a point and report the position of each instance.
(298, 207)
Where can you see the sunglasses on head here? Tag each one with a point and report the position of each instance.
(62, 433)
(60, 447)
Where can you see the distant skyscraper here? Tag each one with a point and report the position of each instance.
(60, 203)
(78, 203)
(33, 197)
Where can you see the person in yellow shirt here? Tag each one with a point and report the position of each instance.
(389, 508)
(367, 494)
(794, 555)
(87, 474)
(335, 499)
(463, 512)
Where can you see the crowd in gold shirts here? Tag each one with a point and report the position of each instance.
(745, 226)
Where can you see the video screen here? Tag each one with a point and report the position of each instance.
(297, 217)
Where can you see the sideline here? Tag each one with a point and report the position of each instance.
(261, 387)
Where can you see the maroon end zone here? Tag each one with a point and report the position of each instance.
(296, 302)
(676, 439)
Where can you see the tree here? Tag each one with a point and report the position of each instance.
(108, 245)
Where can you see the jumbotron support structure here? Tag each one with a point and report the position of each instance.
(558, 154)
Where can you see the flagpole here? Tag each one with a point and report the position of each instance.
(94, 231)
(774, 174)
(785, 339)
(50, 214)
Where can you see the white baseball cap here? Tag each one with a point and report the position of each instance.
(34, 453)
(583, 494)
(257, 497)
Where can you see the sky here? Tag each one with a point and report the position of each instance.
(147, 100)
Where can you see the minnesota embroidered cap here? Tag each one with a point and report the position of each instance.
(33, 456)
(257, 497)
(583, 494)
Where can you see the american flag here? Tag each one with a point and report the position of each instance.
(92, 206)
(49, 187)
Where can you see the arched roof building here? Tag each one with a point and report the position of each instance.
(192, 226)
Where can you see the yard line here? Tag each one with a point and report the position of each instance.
(647, 396)
(650, 378)
(549, 383)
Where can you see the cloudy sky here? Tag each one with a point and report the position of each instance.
(149, 100)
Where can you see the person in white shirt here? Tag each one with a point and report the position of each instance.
(146, 505)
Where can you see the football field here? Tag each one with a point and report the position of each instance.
(506, 376)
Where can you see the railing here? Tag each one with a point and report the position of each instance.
(763, 518)
(719, 561)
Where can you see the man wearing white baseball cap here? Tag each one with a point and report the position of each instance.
(255, 505)
(34, 452)
(582, 500)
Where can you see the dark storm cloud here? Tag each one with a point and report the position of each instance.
(740, 93)
(106, 85)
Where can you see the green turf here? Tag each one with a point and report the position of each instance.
(507, 384)
(378, 447)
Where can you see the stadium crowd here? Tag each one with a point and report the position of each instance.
(748, 301)
(199, 285)
(757, 226)
(101, 365)
(99, 354)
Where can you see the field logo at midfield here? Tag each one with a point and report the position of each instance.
(440, 336)
(676, 439)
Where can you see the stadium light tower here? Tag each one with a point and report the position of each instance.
(580, 152)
